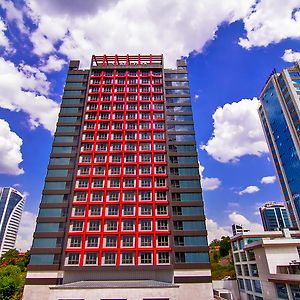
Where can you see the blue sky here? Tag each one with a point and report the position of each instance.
(231, 49)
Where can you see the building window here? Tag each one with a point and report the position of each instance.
(146, 224)
(80, 197)
(146, 258)
(129, 182)
(77, 226)
(98, 183)
(146, 240)
(160, 182)
(111, 225)
(113, 196)
(161, 210)
(129, 170)
(163, 257)
(112, 210)
(161, 196)
(114, 183)
(79, 211)
(97, 196)
(111, 241)
(115, 170)
(110, 258)
(128, 225)
(129, 196)
(146, 195)
(127, 241)
(281, 291)
(75, 241)
(95, 210)
(146, 210)
(127, 258)
(145, 169)
(116, 158)
(128, 210)
(94, 225)
(92, 241)
(162, 241)
(91, 258)
(145, 182)
(130, 158)
(162, 225)
(73, 258)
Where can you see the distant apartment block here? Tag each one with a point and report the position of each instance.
(238, 228)
(11, 208)
(267, 264)
(274, 216)
(280, 116)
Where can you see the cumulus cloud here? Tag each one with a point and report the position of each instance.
(25, 88)
(271, 22)
(129, 26)
(25, 233)
(10, 150)
(53, 63)
(268, 179)
(237, 218)
(291, 56)
(208, 183)
(215, 231)
(237, 132)
(249, 190)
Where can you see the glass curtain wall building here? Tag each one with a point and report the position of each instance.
(274, 216)
(11, 208)
(279, 113)
(122, 191)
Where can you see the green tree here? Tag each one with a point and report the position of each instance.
(11, 282)
(10, 257)
(225, 246)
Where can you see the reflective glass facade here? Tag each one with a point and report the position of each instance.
(279, 114)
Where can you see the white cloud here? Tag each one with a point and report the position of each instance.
(237, 218)
(268, 179)
(13, 14)
(10, 150)
(53, 63)
(290, 55)
(196, 96)
(129, 26)
(215, 231)
(237, 132)
(208, 183)
(249, 190)
(25, 233)
(4, 42)
(25, 88)
(271, 22)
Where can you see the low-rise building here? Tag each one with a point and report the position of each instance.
(267, 264)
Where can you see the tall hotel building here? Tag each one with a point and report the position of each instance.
(121, 215)
(11, 208)
(280, 116)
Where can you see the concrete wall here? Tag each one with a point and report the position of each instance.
(230, 285)
(201, 291)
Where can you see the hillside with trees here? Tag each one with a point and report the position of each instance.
(221, 259)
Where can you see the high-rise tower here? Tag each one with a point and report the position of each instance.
(122, 213)
(11, 208)
(274, 216)
(280, 117)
